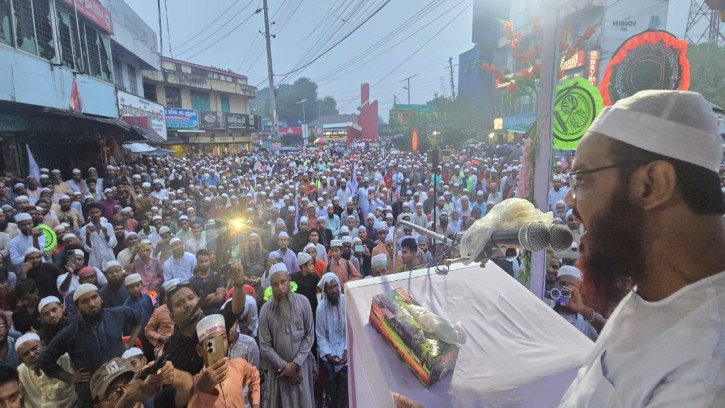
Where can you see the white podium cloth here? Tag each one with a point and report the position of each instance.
(519, 352)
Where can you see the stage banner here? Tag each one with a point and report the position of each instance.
(576, 104)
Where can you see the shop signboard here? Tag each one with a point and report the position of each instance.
(182, 119)
(211, 120)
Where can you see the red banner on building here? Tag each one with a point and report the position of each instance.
(591, 69)
(94, 11)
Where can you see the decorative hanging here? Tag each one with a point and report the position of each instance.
(649, 60)
(576, 104)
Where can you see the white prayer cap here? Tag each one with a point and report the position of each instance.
(568, 270)
(283, 234)
(25, 338)
(303, 258)
(336, 243)
(183, 217)
(174, 240)
(131, 279)
(329, 276)
(76, 171)
(290, 208)
(156, 218)
(304, 220)
(31, 250)
(69, 235)
(344, 229)
(79, 252)
(278, 267)
(110, 264)
(170, 284)
(7, 207)
(310, 246)
(64, 197)
(676, 124)
(132, 352)
(379, 260)
(46, 301)
(18, 185)
(346, 240)
(164, 230)
(146, 184)
(23, 217)
(209, 325)
(82, 289)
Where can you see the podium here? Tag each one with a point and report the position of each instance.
(518, 353)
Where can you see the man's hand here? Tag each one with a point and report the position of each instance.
(212, 376)
(237, 273)
(343, 360)
(332, 359)
(27, 266)
(401, 401)
(287, 371)
(80, 376)
(90, 229)
(36, 232)
(576, 303)
(163, 376)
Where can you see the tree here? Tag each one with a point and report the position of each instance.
(288, 109)
(707, 65)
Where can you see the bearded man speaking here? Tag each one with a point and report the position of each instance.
(645, 184)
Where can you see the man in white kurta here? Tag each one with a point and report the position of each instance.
(41, 391)
(98, 238)
(331, 340)
(646, 186)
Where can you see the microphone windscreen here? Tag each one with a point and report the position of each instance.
(560, 237)
(534, 237)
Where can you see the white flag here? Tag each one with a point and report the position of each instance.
(33, 169)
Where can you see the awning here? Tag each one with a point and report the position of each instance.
(161, 152)
(138, 147)
(152, 136)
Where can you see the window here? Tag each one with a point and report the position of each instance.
(118, 74)
(149, 92)
(70, 50)
(200, 101)
(34, 28)
(6, 27)
(173, 97)
(225, 103)
(132, 80)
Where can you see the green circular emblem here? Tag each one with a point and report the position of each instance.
(50, 238)
(576, 105)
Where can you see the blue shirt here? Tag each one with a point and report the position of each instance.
(87, 345)
(143, 305)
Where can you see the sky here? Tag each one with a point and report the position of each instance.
(404, 38)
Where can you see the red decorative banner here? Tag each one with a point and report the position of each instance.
(94, 11)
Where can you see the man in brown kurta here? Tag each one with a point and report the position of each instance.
(286, 334)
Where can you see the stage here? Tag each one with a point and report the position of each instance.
(519, 352)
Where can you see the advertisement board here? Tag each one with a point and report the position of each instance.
(132, 105)
(211, 120)
(182, 119)
(236, 121)
(94, 11)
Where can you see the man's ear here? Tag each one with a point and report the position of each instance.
(654, 185)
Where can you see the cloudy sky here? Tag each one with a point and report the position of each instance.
(404, 38)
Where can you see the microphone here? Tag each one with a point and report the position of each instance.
(533, 237)
(560, 237)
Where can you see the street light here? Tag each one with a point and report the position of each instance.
(304, 116)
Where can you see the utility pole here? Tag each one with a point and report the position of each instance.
(408, 87)
(453, 86)
(270, 71)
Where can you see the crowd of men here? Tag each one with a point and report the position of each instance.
(230, 270)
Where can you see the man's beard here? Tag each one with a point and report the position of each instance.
(612, 252)
(94, 318)
(333, 298)
(284, 305)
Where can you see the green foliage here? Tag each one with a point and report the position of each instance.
(288, 110)
(707, 65)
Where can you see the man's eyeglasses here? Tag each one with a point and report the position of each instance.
(574, 175)
(114, 394)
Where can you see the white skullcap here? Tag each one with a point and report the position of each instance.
(64, 197)
(283, 234)
(183, 217)
(170, 284)
(25, 338)
(304, 220)
(31, 250)
(346, 240)
(568, 270)
(164, 229)
(59, 228)
(303, 258)
(209, 325)
(156, 218)
(131, 279)
(328, 277)
(132, 352)
(336, 243)
(82, 289)
(46, 301)
(344, 228)
(69, 235)
(146, 184)
(379, 260)
(110, 264)
(278, 267)
(174, 240)
(310, 246)
(23, 217)
(676, 124)
(79, 252)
